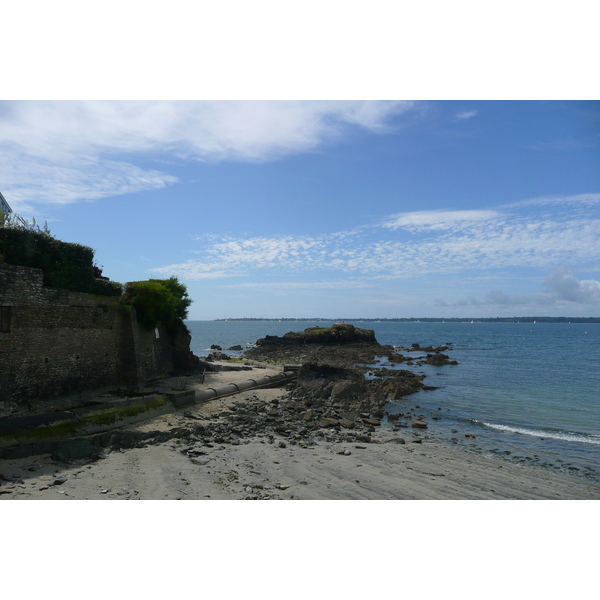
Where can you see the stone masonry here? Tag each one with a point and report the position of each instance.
(55, 342)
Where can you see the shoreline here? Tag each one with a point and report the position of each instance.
(266, 464)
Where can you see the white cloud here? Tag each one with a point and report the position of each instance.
(583, 200)
(467, 114)
(563, 285)
(562, 288)
(196, 270)
(438, 219)
(301, 285)
(440, 242)
(72, 149)
(81, 178)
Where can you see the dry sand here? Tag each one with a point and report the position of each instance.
(257, 469)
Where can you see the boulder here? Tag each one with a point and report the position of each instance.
(417, 424)
(343, 390)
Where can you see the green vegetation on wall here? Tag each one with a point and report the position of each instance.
(66, 266)
(157, 301)
(69, 266)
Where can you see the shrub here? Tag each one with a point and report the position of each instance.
(65, 265)
(157, 301)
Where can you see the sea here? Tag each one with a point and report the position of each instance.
(528, 392)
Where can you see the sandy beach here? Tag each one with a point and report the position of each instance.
(267, 466)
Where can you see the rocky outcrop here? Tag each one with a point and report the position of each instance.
(336, 383)
(340, 333)
(183, 358)
(438, 359)
(340, 345)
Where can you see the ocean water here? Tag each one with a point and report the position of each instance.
(530, 393)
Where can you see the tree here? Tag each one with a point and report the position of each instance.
(157, 301)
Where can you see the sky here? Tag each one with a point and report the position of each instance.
(374, 209)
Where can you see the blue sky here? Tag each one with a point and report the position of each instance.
(323, 208)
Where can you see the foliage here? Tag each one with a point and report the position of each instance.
(65, 265)
(157, 301)
(14, 221)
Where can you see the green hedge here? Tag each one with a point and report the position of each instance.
(66, 266)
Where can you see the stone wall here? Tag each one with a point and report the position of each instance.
(55, 342)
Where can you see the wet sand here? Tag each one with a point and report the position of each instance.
(263, 468)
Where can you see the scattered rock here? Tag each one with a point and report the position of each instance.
(418, 424)
(308, 415)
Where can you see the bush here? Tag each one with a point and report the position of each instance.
(157, 301)
(65, 265)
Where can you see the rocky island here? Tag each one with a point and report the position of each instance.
(339, 385)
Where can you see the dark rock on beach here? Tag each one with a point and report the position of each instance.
(439, 359)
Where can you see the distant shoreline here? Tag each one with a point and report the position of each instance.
(434, 320)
